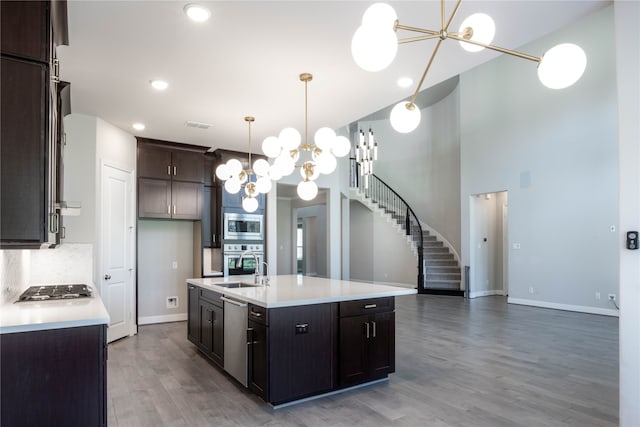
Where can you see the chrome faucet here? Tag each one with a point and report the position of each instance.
(256, 274)
(265, 280)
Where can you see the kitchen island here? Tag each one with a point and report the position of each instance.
(53, 362)
(304, 336)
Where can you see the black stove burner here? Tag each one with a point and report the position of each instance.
(39, 293)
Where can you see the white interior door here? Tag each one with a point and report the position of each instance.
(117, 275)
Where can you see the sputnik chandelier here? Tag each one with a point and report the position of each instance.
(255, 180)
(288, 147)
(375, 44)
(366, 153)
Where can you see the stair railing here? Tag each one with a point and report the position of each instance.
(386, 198)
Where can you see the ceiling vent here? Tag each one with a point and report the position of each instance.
(197, 125)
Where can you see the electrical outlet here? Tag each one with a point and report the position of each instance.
(174, 265)
(597, 295)
(612, 297)
(172, 302)
(530, 289)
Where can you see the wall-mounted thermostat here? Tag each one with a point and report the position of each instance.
(632, 240)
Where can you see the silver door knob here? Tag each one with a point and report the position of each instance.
(107, 276)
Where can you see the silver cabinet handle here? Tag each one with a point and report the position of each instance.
(367, 306)
(253, 313)
(175, 170)
(168, 169)
(174, 209)
(107, 276)
(373, 324)
(169, 209)
(366, 328)
(191, 287)
(233, 302)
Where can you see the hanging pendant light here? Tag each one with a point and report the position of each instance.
(255, 180)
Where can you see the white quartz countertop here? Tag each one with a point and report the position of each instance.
(55, 314)
(292, 290)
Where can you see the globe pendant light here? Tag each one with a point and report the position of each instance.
(372, 50)
(255, 179)
(289, 146)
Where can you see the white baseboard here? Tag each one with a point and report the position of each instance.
(149, 320)
(486, 293)
(565, 307)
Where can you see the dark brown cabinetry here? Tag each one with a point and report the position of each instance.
(54, 377)
(211, 206)
(367, 340)
(258, 350)
(205, 322)
(30, 32)
(170, 180)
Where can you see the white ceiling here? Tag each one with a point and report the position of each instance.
(247, 58)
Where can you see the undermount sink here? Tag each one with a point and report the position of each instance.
(237, 285)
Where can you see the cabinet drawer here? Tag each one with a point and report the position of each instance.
(366, 306)
(211, 296)
(258, 314)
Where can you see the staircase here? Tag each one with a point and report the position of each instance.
(440, 271)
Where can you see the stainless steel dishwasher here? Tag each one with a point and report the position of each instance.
(235, 339)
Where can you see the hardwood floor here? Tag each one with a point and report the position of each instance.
(458, 363)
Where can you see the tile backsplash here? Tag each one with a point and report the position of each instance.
(68, 263)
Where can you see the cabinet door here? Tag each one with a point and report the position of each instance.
(187, 200)
(23, 160)
(257, 360)
(217, 344)
(187, 166)
(25, 30)
(301, 356)
(154, 198)
(206, 327)
(382, 345)
(193, 323)
(354, 349)
(154, 162)
(207, 234)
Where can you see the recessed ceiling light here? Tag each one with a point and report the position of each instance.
(196, 12)
(138, 126)
(405, 81)
(159, 84)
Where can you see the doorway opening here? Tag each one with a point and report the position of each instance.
(489, 247)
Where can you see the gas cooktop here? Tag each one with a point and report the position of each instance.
(52, 292)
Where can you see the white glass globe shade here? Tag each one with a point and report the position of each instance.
(232, 185)
(263, 185)
(222, 172)
(234, 167)
(484, 29)
(307, 190)
(324, 138)
(374, 49)
(284, 163)
(341, 146)
(562, 65)
(250, 204)
(326, 163)
(274, 173)
(289, 138)
(404, 120)
(261, 167)
(271, 146)
(379, 16)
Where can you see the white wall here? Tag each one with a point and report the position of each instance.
(160, 243)
(627, 17)
(314, 220)
(284, 238)
(555, 153)
(379, 251)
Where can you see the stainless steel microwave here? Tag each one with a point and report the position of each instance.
(242, 226)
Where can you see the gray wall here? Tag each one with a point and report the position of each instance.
(314, 220)
(160, 243)
(555, 152)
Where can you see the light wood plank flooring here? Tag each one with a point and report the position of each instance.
(458, 363)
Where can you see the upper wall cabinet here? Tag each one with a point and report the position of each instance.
(170, 180)
(30, 153)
